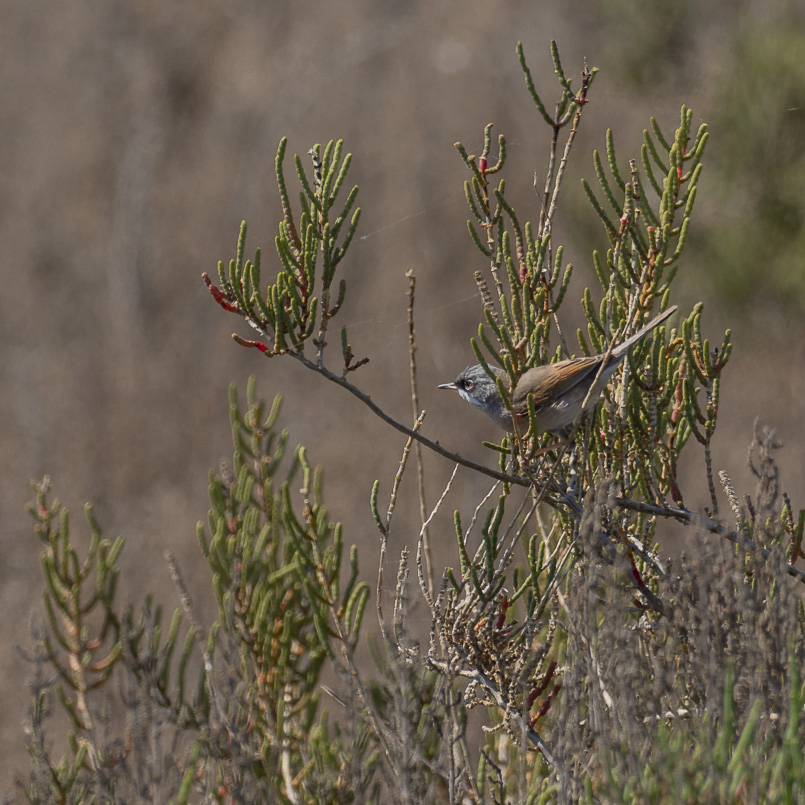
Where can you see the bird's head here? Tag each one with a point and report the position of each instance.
(476, 387)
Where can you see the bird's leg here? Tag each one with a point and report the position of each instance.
(572, 472)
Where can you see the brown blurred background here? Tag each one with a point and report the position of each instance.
(136, 136)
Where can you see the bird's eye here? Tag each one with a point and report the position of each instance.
(468, 384)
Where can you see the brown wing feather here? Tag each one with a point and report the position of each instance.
(550, 381)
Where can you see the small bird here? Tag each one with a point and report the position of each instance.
(558, 389)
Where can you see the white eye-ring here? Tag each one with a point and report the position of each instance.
(468, 384)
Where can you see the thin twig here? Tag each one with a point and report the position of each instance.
(420, 470)
(548, 178)
(581, 101)
(384, 532)
(426, 591)
(509, 550)
(395, 488)
(542, 218)
(477, 511)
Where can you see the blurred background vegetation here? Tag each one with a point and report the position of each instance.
(137, 136)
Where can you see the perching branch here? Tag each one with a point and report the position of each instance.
(389, 420)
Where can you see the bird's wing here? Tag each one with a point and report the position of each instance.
(551, 381)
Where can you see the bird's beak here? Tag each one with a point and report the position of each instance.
(451, 386)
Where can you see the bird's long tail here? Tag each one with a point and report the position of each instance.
(626, 345)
